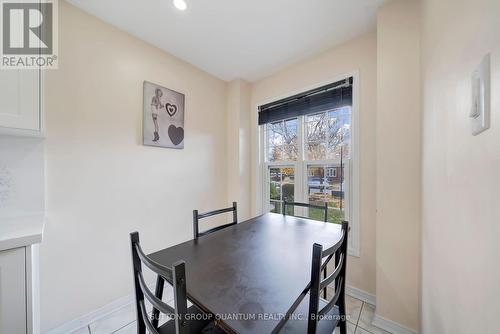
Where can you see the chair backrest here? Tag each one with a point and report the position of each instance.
(176, 276)
(197, 216)
(320, 259)
(324, 208)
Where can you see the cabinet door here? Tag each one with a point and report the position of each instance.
(13, 291)
(20, 99)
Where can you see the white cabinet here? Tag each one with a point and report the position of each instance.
(19, 274)
(21, 102)
(13, 317)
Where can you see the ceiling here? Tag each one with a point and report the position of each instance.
(240, 39)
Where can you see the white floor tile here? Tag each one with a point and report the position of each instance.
(352, 305)
(114, 321)
(125, 315)
(350, 329)
(366, 318)
(84, 330)
(360, 330)
(129, 329)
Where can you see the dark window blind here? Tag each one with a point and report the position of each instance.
(331, 96)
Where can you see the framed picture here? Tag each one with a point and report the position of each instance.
(163, 123)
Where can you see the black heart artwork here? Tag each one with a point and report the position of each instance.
(176, 134)
(171, 109)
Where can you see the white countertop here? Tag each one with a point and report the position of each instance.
(21, 231)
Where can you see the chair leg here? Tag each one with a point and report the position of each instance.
(324, 290)
(343, 327)
(342, 312)
(158, 293)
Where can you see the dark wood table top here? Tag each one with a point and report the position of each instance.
(257, 268)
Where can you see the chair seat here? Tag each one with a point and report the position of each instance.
(297, 324)
(198, 323)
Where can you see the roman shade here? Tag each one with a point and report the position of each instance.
(331, 96)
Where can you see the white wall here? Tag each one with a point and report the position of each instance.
(461, 172)
(360, 55)
(21, 176)
(398, 162)
(238, 146)
(102, 183)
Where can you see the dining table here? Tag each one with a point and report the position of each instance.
(248, 275)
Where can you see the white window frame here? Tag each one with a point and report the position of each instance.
(351, 166)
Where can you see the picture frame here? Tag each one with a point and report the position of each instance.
(163, 116)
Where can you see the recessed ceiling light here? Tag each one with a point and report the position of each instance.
(180, 4)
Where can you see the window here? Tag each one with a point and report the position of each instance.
(322, 188)
(331, 172)
(282, 142)
(328, 134)
(308, 158)
(281, 187)
(282, 149)
(324, 151)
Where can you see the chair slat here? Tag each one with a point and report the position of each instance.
(335, 247)
(213, 213)
(324, 283)
(156, 267)
(215, 229)
(156, 302)
(334, 300)
(325, 262)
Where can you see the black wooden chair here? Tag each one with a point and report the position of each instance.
(185, 320)
(309, 206)
(324, 208)
(320, 316)
(197, 216)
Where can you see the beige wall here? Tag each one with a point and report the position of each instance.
(461, 172)
(102, 183)
(238, 146)
(359, 54)
(398, 162)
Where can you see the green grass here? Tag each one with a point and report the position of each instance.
(334, 216)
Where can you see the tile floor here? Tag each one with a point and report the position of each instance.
(123, 321)
(360, 316)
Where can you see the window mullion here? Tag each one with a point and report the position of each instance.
(300, 160)
(300, 179)
(301, 137)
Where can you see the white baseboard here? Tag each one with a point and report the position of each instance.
(391, 326)
(85, 320)
(360, 294)
(378, 321)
